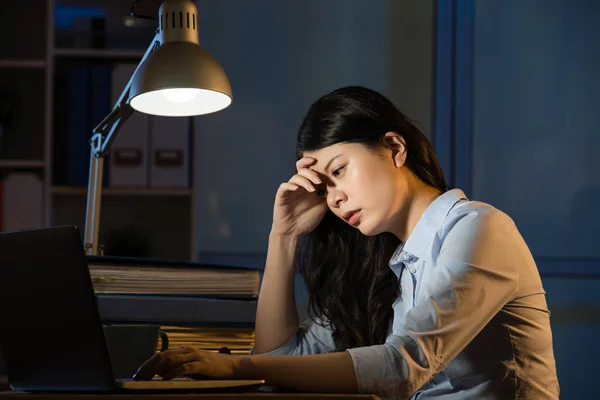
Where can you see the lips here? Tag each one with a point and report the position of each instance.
(351, 216)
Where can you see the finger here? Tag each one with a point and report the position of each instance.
(302, 181)
(311, 175)
(168, 364)
(146, 370)
(304, 162)
(191, 368)
(288, 187)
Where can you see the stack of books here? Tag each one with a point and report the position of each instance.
(239, 340)
(203, 306)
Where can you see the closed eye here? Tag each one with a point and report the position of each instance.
(338, 171)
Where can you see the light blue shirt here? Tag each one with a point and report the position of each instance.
(471, 321)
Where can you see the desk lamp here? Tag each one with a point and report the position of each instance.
(175, 78)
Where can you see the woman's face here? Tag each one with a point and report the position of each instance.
(366, 188)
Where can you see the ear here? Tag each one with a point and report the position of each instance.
(397, 145)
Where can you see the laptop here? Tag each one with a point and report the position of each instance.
(51, 335)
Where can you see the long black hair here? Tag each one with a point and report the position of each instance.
(351, 288)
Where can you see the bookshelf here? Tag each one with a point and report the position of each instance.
(21, 164)
(22, 64)
(81, 191)
(99, 54)
(33, 55)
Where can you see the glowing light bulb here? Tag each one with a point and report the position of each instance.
(180, 96)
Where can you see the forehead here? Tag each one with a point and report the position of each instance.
(324, 155)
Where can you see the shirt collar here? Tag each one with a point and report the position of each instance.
(422, 236)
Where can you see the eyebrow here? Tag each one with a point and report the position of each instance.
(330, 161)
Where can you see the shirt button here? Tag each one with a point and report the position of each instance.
(412, 270)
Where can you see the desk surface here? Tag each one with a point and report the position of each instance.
(16, 395)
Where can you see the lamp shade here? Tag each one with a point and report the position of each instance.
(180, 79)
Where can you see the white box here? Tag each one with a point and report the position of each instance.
(170, 144)
(22, 202)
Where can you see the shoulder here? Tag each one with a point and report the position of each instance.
(477, 216)
(479, 239)
(472, 224)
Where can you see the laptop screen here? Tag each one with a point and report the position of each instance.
(50, 331)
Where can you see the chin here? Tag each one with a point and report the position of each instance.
(370, 233)
(368, 230)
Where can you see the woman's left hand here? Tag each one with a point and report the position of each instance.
(187, 361)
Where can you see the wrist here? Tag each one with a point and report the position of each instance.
(288, 240)
(243, 368)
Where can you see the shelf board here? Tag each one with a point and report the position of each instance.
(99, 53)
(167, 192)
(22, 164)
(22, 64)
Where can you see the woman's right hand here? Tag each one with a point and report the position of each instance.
(298, 207)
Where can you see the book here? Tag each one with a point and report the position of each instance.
(174, 310)
(239, 340)
(121, 275)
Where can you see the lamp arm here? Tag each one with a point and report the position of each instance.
(122, 109)
(103, 135)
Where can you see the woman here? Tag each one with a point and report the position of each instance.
(415, 291)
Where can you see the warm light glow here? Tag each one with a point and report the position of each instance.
(180, 96)
(180, 102)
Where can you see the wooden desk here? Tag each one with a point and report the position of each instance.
(16, 395)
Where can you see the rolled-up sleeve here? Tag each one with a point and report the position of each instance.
(473, 278)
(312, 337)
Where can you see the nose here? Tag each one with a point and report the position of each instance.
(336, 197)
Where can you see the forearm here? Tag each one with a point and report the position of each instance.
(276, 315)
(333, 372)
